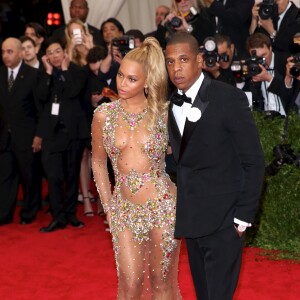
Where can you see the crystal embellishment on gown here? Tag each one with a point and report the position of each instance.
(133, 119)
(143, 204)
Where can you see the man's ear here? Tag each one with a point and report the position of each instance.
(200, 60)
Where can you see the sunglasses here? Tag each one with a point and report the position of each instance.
(178, 1)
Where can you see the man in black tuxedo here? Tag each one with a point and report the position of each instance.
(64, 129)
(18, 140)
(79, 9)
(220, 169)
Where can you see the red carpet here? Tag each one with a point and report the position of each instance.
(77, 264)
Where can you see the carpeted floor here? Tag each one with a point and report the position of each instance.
(77, 264)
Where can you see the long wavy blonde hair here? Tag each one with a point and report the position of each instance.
(151, 57)
(198, 4)
(76, 56)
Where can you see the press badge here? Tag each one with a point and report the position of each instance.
(55, 109)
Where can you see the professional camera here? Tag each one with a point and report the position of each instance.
(268, 9)
(283, 154)
(124, 43)
(295, 70)
(174, 23)
(243, 70)
(210, 53)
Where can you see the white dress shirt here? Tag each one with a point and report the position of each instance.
(180, 112)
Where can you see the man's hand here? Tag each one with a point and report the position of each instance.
(48, 67)
(263, 75)
(36, 144)
(240, 233)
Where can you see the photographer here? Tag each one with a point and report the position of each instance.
(263, 78)
(217, 63)
(186, 16)
(278, 19)
(292, 83)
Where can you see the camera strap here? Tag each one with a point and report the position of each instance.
(285, 129)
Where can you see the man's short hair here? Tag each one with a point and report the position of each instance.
(53, 40)
(39, 30)
(222, 38)
(25, 38)
(96, 54)
(182, 37)
(258, 40)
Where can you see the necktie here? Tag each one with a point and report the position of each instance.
(11, 80)
(178, 99)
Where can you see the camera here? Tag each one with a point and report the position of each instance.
(295, 70)
(267, 9)
(124, 43)
(283, 154)
(174, 23)
(210, 53)
(243, 70)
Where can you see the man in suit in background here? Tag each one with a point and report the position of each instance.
(18, 140)
(64, 129)
(220, 169)
(233, 18)
(79, 9)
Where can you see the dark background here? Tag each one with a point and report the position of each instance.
(14, 14)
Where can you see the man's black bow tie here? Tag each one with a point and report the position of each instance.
(178, 99)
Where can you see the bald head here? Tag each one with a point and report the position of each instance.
(11, 52)
(79, 9)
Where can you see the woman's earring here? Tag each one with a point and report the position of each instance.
(146, 91)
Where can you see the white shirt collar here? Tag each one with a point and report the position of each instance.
(15, 70)
(193, 90)
(281, 16)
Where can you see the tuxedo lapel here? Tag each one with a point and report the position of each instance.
(174, 133)
(201, 102)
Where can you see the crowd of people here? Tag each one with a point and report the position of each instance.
(137, 109)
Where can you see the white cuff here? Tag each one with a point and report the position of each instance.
(237, 221)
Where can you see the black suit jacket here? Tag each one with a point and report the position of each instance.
(71, 122)
(235, 19)
(220, 163)
(96, 33)
(18, 108)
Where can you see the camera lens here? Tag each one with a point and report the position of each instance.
(176, 22)
(295, 71)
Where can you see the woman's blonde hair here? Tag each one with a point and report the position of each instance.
(151, 57)
(197, 4)
(76, 57)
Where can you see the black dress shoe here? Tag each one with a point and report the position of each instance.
(72, 220)
(54, 225)
(26, 221)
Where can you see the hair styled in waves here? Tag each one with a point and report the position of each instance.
(151, 57)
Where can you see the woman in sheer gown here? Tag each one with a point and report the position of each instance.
(132, 132)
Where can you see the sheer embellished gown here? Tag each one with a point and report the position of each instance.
(142, 206)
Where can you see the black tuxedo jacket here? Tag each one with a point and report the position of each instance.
(289, 26)
(71, 122)
(220, 163)
(18, 108)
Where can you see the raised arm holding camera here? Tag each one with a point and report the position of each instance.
(279, 19)
(186, 15)
(218, 53)
(263, 76)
